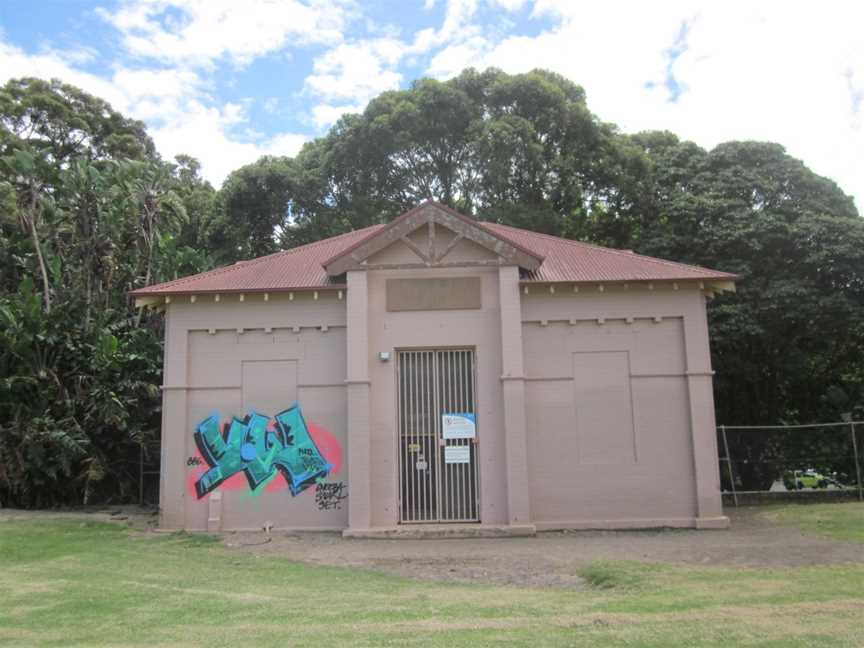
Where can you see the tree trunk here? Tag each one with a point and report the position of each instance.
(46, 286)
(147, 274)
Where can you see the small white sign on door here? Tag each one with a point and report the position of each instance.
(457, 454)
(458, 426)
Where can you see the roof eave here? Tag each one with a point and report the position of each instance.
(147, 292)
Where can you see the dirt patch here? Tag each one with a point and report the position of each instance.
(549, 560)
(553, 559)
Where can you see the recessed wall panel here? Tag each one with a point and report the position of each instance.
(604, 407)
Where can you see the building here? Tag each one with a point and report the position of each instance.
(439, 370)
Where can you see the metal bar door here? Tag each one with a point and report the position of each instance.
(436, 484)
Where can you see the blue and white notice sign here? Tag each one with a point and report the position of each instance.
(458, 425)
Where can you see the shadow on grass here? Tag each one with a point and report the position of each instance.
(614, 575)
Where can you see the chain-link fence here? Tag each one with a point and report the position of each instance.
(760, 463)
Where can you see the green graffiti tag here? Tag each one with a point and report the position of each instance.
(248, 445)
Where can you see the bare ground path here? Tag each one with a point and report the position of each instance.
(549, 560)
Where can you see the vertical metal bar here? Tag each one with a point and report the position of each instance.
(475, 442)
(412, 421)
(445, 407)
(472, 448)
(460, 407)
(456, 407)
(457, 472)
(406, 439)
(729, 465)
(454, 467)
(141, 475)
(418, 438)
(399, 441)
(424, 386)
(406, 432)
(418, 475)
(463, 468)
(418, 422)
(857, 463)
(424, 403)
(409, 473)
(418, 416)
(448, 407)
(436, 388)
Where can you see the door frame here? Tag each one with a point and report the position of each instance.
(440, 456)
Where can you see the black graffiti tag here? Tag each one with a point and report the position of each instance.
(329, 495)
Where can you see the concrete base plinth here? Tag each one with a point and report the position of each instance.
(720, 522)
(443, 531)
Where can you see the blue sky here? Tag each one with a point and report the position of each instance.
(228, 81)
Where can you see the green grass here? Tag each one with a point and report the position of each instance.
(842, 521)
(71, 583)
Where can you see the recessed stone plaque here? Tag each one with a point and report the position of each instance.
(452, 293)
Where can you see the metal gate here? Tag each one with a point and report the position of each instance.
(437, 475)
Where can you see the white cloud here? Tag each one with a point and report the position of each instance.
(457, 26)
(450, 61)
(357, 71)
(348, 75)
(16, 63)
(202, 31)
(787, 72)
(325, 114)
(271, 105)
(509, 5)
(171, 102)
(204, 132)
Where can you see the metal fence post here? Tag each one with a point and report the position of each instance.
(857, 463)
(141, 475)
(729, 465)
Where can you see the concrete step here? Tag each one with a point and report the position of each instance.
(441, 531)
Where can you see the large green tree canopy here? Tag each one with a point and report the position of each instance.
(88, 211)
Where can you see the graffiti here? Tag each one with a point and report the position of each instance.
(194, 461)
(329, 496)
(258, 447)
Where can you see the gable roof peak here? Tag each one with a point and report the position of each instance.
(430, 211)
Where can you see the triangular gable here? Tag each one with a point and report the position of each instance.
(431, 214)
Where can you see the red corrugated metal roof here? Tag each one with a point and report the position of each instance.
(564, 260)
(296, 269)
(571, 261)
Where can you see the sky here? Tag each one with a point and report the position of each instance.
(228, 81)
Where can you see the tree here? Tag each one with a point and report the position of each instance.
(87, 212)
(256, 208)
(520, 148)
(61, 122)
(787, 347)
(22, 175)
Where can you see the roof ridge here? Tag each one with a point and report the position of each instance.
(245, 263)
(630, 254)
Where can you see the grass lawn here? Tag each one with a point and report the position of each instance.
(843, 521)
(80, 583)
